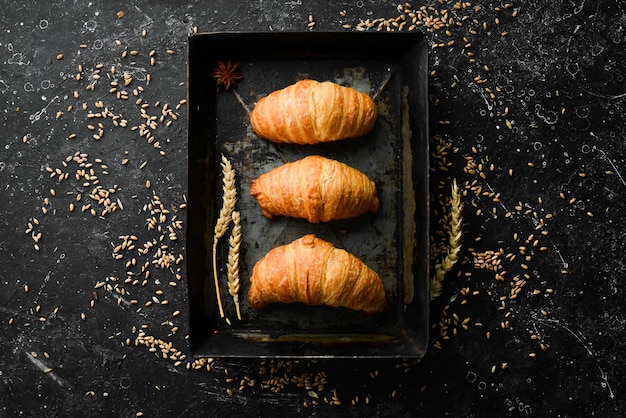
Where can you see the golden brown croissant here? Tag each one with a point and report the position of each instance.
(313, 271)
(315, 188)
(309, 112)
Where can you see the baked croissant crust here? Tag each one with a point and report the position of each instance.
(315, 188)
(313, 271)
(309, 112)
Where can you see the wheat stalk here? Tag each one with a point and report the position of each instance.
(229, 200)
(454, 241)
(243, 104)
(234, 243)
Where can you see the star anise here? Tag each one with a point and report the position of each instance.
(226, 74)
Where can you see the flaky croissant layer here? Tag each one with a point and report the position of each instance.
(313, 271)
(309, 112)
(315, 188)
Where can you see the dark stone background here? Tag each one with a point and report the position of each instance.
(560, 72)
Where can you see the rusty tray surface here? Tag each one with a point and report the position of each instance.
(392, 67)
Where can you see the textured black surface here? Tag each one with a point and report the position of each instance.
(559, 71)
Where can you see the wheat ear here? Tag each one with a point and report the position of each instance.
(454, 241)
(234, 244)
(229, 200)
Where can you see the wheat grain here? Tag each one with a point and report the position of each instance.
(454, 241)
(229, 200)
(234, 242)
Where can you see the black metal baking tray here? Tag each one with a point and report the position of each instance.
(393, 68)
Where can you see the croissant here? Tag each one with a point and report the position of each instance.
(313, 271)
(309, 112)
(315, 188)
